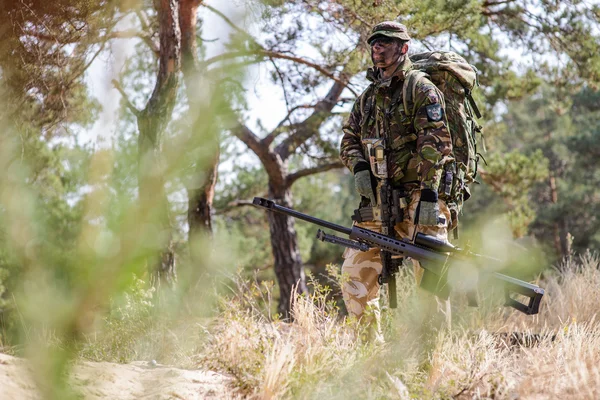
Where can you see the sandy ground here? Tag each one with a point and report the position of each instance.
(119, 381)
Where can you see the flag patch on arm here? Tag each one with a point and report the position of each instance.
(435, 112)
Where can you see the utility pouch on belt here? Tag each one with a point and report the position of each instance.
(448, 180)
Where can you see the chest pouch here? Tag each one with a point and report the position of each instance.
(376, 151)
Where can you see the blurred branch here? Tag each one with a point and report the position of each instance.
(311, 171)
(261, 51)
(285, 93)
(200, 38)
(230, 23)
(237, 203)
(128, 103)
(277, 131)
(317, 67)
(262, 54)
(351, 11)
(87, 65)
(489, 179)
(134, 33)
(232, 205)
(496, 3)
(310, 126)
(143, 18)
(50, 37)
(147, 37)
(125, 34)
(103, 40)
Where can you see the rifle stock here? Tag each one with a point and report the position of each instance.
(433, 254)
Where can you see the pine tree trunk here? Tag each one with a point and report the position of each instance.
(153, 201)
(152, 123)
(200, 202)
(200, 197)
(561, 242)
(288, 263)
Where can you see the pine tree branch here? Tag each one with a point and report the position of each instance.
(496, 3)
(233, 205)
(50, 37)
(317, 67)
(125, 34)
(310, 126)
(282, 80)
(271, 161)
(278, 129)
(262, 54)
(143, 18)
(128, 103)
(230, 23)
(261, 51)
(250, 139)
(238, 203)
(311, 171)
(134, 33)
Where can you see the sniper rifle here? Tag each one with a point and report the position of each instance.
(434, 255)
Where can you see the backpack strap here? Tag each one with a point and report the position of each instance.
(472, 102)
(396, 96)
(409, 90)
(366, 108)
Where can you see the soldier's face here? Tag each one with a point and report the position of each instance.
(385, 51)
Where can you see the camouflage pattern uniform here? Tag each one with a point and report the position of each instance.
(420, 147)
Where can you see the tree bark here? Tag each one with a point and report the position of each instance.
(188, 16)
(561, 241)
(201, 194)
(284, 243)
(152, 123)
(200, 201)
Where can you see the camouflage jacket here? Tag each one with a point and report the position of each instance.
(420, 146)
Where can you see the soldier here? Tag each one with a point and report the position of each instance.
(420, 146)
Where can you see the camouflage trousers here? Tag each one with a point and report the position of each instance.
(360, 270)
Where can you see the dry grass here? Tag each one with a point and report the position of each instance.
(320, 354)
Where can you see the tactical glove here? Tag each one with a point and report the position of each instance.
(362, 182)
(429, 210)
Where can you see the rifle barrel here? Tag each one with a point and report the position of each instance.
(270, 205)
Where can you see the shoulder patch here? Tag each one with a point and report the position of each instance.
(435, 112)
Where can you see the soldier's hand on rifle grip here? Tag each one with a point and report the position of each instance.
(362, 182)
(429, 209)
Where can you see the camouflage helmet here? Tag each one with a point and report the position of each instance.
(391, 29)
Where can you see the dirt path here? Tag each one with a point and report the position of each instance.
(119, 381)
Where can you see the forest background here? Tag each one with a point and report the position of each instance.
(160, 208)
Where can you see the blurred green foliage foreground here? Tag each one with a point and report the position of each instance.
(139, 245)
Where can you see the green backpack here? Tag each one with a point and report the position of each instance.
(455, 78)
